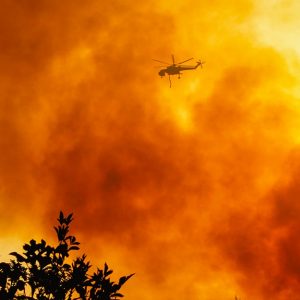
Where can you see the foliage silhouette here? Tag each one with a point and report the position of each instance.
(42, 272)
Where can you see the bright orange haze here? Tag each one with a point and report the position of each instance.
(194, 188)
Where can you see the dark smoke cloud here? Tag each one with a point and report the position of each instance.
(200, 210)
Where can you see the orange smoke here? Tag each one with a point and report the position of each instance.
(194, 188)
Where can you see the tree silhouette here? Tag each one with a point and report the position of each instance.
(42, 272)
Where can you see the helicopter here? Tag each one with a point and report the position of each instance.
(176, 68)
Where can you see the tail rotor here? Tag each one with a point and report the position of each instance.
(200, 63)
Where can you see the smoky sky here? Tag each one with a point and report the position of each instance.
(194, 188)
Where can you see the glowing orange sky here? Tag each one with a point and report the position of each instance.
(194, 188)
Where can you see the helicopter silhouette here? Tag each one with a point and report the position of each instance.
(176, 68)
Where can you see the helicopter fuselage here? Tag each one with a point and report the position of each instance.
(175, 69)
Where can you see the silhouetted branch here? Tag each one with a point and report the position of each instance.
(41, 272)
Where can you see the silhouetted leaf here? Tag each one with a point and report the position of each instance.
(105, 268)
(33, 243)
(26, 247)
(117, 295)
(69, 219)
(61, 217)
(74, 248)
(18, 256)
(123, 279)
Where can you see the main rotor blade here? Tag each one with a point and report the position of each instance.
(163, 62)
(185, 61)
